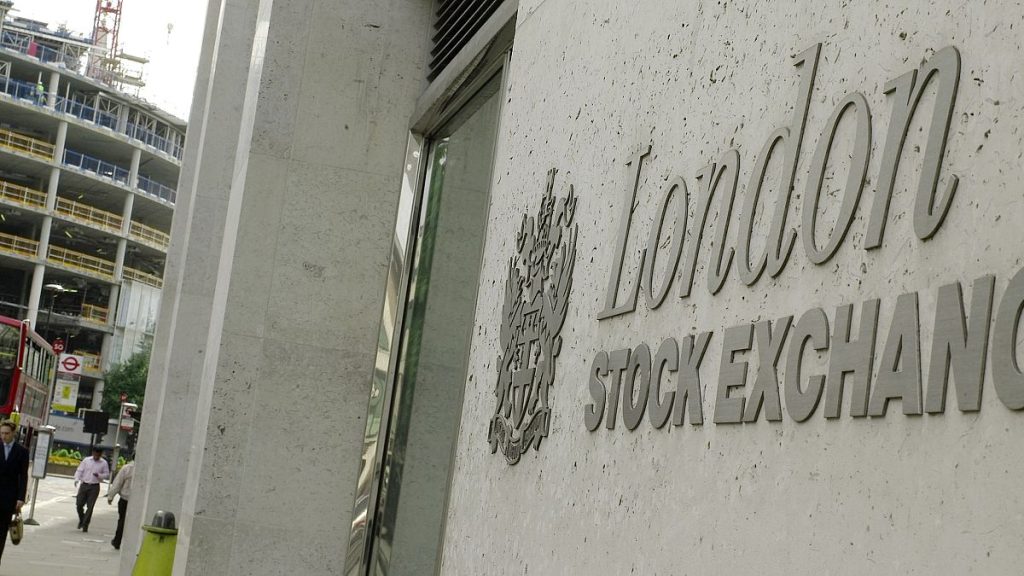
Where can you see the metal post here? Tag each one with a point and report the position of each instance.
(117, 443)
(39, 472)
(117, 434)
(49, 318)
(31, 521)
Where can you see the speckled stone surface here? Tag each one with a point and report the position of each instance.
(265, 363)
(592, 82)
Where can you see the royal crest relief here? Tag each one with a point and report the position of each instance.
(536, 300)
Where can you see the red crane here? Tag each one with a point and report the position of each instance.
(106, 28)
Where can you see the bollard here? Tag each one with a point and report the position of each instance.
(156, 557)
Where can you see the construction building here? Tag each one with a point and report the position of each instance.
(87, 190)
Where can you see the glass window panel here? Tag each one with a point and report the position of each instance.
(431, 374)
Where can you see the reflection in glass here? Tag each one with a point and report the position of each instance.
(437, 329)
(390, 318)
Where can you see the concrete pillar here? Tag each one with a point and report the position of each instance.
(107, 347)
(58, 146)
(277, 291)
(35, 293)
(51, 90)
(122, 118)
(97, 392)
(122, 248)
(187, 300)
(126, 222)
(133, 169)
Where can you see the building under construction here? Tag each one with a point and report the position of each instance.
(88, 173)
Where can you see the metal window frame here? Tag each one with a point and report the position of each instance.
(485, 55)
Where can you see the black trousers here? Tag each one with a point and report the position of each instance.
(122, 509)
(87, 494)
(5, 524)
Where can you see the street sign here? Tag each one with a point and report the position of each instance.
(126, 421)
(58, 346)
(65, 394)
(95, 422)
(42, 453)
(70, 364)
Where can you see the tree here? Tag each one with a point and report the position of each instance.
(128, 377)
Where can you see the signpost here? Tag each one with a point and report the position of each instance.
(126, 411)
(69, 372)
(41, 455)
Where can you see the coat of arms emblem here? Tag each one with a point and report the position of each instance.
(536, 300)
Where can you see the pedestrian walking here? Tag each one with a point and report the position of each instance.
(122, 486)
(90, 473)
(13, 478)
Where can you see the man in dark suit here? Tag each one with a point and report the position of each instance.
(13, 478)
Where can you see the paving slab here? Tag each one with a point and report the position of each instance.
(56, 547)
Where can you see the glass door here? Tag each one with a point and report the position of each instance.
(430, 374)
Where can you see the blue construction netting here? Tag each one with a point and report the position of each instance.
(28, 91)
(153, 139)
(23, 90)
(95, 165)
(24, 44)
(118, 174)
(154, 188)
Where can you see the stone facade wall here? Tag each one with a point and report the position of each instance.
(928, 487)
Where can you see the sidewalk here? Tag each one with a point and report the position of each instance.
(56, 547)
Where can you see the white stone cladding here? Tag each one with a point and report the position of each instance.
(265, 349)
(593, 82)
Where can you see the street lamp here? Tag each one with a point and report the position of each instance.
(56, 289)
(117, 433)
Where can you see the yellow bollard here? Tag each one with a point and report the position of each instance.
(156, 557)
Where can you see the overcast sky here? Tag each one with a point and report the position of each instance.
(168, 32)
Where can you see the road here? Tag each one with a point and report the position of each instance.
(56, 547)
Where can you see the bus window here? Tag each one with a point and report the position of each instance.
(9, 336)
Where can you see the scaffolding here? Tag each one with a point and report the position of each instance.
(107, 61)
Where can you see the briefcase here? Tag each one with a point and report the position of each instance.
(17, 529)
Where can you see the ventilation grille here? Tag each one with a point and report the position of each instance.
(456, 22)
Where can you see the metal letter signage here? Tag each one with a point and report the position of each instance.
(536, 300)
(823, 355)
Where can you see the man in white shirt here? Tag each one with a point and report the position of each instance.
(90, 473)
(122, 485)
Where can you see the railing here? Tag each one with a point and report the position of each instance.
(88, 113)
(156, 189)
(23, 44)
(143, 277)
(18, 245)
(24, 91)
(100, 167)
(95, 313)
(149, 236)
(26, 145)
(28, 91)
(22, 195)
(91, 362)
(89, 215)
(106, 119)
(82, 262)
(153, 139)
(75, 108)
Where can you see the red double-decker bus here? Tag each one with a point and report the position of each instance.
(27, 369)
